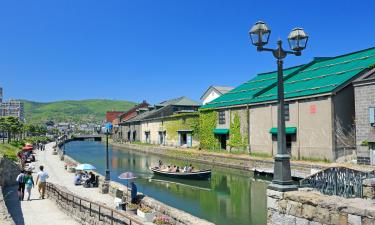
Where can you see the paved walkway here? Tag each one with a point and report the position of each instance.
(43, 212)
(58, 175)
(36, 211)
(26, 211)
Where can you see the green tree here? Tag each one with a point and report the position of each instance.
(3, 127)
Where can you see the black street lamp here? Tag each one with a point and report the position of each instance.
(260, 34)
(108, 128)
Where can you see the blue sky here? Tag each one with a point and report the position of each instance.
(156, 50)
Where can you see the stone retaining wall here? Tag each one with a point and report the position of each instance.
(116, 189)
(8, 174)
(307, 207)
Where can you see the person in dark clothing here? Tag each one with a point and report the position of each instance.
(21, 185)
(133, 193)
(91, 180)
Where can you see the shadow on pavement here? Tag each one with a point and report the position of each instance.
(13, 204)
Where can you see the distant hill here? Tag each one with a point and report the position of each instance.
(92, 110)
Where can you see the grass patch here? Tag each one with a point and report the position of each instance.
(312, 159)
(260, 154)
(9, 151)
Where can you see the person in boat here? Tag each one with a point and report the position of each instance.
(178, 169)
(160, 163)
(190, 168)
(168, 169)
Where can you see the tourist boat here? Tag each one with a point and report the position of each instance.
(195, 175)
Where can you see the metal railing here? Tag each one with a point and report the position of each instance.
(340, 181)
(101, 212)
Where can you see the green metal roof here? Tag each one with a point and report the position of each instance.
(322, 75)
(221, 131)
(288, 130)
(244, 93)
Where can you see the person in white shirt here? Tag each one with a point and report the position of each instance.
(41, 181)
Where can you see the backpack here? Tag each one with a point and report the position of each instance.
(21, 178)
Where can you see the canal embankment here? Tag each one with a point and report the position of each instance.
(8, 174)
(300, 169)
(118, 190)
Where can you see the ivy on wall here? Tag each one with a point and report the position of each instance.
(181, 122)
(207, 123)
(236, 140)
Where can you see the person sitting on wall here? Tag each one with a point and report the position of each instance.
(91, 180)
(77, 179)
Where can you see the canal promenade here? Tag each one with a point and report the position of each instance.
(36, 211)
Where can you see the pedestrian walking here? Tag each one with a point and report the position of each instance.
(21, 185)
(44, 147)
(41, 181)
(29, 183)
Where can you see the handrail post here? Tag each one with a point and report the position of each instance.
(99, 212)
(111, 217)
(90, 208)
(80, 205)
(73, 202)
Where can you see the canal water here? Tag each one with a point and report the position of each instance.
(230, 197)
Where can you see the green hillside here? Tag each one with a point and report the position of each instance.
(92, 110)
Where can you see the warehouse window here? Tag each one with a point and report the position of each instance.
(286, 113)
(221, 117)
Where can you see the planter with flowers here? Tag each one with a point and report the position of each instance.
(162, 220)
(132, 208)
(146, 213)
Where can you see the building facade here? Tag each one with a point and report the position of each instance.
(13, 108)
(166, 123)
(319, 109)
(213, 92)
(364, 92)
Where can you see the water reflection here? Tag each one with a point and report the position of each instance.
(229, 197)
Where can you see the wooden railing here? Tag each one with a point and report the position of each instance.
(101, 212)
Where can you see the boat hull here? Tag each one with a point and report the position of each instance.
(201, 175)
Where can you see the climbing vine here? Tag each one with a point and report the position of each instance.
(182, 122)
(236, 140)
(207, 123)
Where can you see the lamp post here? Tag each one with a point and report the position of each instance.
(108, 128)
(260, 34)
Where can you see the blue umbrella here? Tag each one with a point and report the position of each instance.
(85, 167)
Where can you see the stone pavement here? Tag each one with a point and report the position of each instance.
(58, 175)
(36, 211)
(43, 212)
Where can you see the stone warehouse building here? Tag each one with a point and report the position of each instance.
(319, 111)
(364, 93)
(170, 123)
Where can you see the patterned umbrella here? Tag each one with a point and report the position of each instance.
(127, 176)
(85, 167)
(27, 148)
